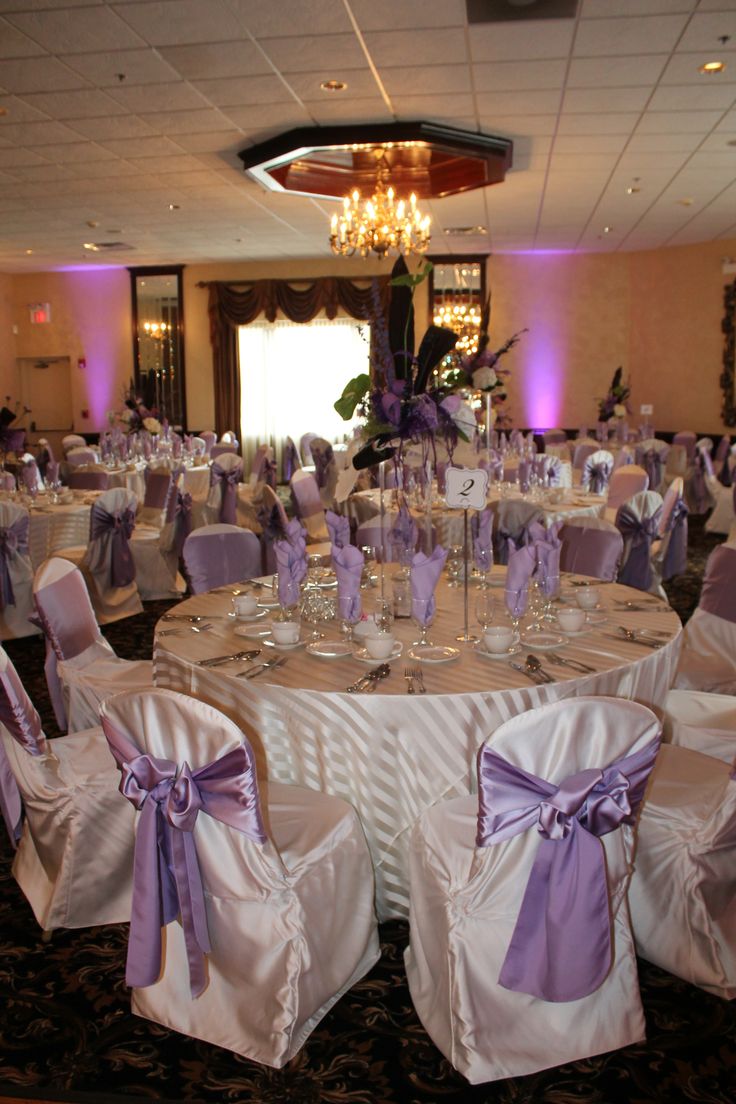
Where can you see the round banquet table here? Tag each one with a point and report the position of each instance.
(448, 524)
(391, 754)
(52, 528)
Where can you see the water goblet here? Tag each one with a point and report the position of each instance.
(312, 613)
(422, 612)
(485, 606)
(349, 611)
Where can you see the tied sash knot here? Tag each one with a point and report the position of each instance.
(560, 949)
(228, 481)
(182, 519)
(653, 468)
(116, 530)
(13, 542)
(637, 571)
(166, 878)
(675, 557)
(596, 476)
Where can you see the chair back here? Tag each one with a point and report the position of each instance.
(597, 469)
(215, 847)
(652, 459)
(72, 441)
(687, 439)
(7, 481)
(718, 593)
(554, 437)
(217, 555)
(704, 444)
(111, 525)
(638, 522)
(16, 571)
(560, 814)
(159, 488)
(209, 437)
(261, 458)
(723, 449)
(673, 529)
(591, 546)
(29, 477)
(305, 447)
(199, 446)
(23, 725)
(514, 518)
(308, 504)
(225, 475)
(581, 454)
(229, 438)
(88, 480)
(76, 457)
(221, 448)
(626, 481)
(325, 470)
(290, 461)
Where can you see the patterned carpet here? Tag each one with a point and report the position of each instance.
(66, 1032)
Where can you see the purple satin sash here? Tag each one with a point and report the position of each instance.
(594, 552)
(228, 481)
(158, 487)
(725, 477)
(323, 458)
(24, 725)
(166, 878)
(116, 528)
(182, 520)
(13, 542)
(718, 594)
(675, 557)
(596, 476)
(290, 460)
(268, 473)
(637, 571)
(560, 949)
(651, 461)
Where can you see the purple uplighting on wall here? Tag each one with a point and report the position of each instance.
(542, 373)
(96, 297)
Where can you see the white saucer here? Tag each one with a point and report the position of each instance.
(364, 656)
(253, 630)
(594, 617)
(432, 653)
(575, 632)
(481, 649)
(251, 616)
(283, 647)
(330, 649)
(542, 640)
(273, 604)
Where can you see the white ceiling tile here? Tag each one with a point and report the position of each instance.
(705, 28)
(371, 110)
(677, 122)
(306, 86)
(38, 75)
(669, 143)
(596, 9)
(64, 32)
(147, 98)
(81, 104)
(685, 68)
(256, 116)
(77, 153)
(305, 17)
(37, 134)
(155, 146)
(241, 91)
(521, 41)
(607, 37)
(600, 100)
(387, 15)
(636, 70)
(176, 22)
(175, 123)
(597, 124)
(717, 142)
(16, 111)
(687, 97)
(305, 53)
(216, 60)
(435, 47)
(117, 126)
(590, 143)
(135, 66)
(433, 106)
(532, 126)
(511, 75)
(519, 103)
(14, 44)
(21, 156)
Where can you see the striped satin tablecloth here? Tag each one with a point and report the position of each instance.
(52, 528)
(390, 754)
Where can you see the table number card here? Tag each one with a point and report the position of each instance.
(466, 488)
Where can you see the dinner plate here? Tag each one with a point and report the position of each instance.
(481, 650)
(283, 647)
(364, 656)
(330, 649)
(542, 640)
(253, 630)
(432, 653)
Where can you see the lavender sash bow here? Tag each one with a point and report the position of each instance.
(653, 467)
(596, 476)
(166, 876)
(637, 571)
(24, 725)
(675, 557)
(182, 519)
(290, 460)
(13, 542)
(725, 476)
(117, 528)
(560, 949)
(322, 457)
(228, 481)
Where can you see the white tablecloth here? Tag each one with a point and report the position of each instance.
(390, 754)
(52, 528)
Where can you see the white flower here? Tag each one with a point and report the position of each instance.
(619, 410)
(464, 419)
(126, 415)
(152, 425)
(484, 379)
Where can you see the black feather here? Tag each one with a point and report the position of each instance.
(401, 323)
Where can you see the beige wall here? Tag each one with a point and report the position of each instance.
(8, 370)
(658, 314)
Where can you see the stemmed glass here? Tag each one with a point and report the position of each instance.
(313, 612)
(485, 606)
(349, 611)
(516, 601)
(422, 612)
(536, 607)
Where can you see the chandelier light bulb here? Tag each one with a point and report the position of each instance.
(379, 224)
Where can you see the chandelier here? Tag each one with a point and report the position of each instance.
(464, 319)
(157, 330)
(379, 224)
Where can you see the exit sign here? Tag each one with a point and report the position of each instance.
(40, 312)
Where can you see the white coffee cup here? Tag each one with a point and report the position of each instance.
(380, 646)
(588, 597)
(245, 605)
(571, 620)
(285, 632)
(498, 638)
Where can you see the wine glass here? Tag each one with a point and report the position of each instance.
(349, 611)
(422, 612)
(312, 612)
(485, 605)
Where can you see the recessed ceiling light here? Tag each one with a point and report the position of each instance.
(465, 231)
(3, 111)
(686, 201)
(607, 229)
(29, 251)
(712, 67)
(333, 86)
(633, 189)
(92, 247)
(173, 206)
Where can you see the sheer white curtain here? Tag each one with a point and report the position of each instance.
(292, 373)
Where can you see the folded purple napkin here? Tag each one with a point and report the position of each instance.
(291, 564)
(518, 573)
(348, 564)
(296, 534)
(481, 526)
(425, 572)
(338, 527)
(547, 547)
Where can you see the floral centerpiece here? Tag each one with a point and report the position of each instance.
(614, 405)
(133, 415)
(403, 401)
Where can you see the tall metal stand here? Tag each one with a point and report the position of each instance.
(466, 637)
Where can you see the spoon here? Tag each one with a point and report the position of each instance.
(534, 665)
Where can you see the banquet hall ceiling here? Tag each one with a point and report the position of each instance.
(123, 122)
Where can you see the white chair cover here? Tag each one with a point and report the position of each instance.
(626, 481)
(230, 463)
(220, 554)
(465, 902)
(708, 654)
(111, 602)
(597, 469)
(638, 520)
(682, 895)
(71, 441)
(74, 861)
(156, 559)
(78, 456)
(702, 722)
(81, 667)
(676, 461)
(16, 573)
(290, 919)
(309, 506)
(623, 457)
(305, 443)
(325, 470)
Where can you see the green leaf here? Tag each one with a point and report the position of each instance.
(354, 392)
(407, 280)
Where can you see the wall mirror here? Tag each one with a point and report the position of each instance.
(158, 340)
(457, 292)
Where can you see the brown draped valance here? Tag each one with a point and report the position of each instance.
(299, 301)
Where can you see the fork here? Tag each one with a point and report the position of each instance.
(418, 674)
(252, 672)
(573, 664)
(409, 676)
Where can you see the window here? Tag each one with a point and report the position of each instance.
(292, 373)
